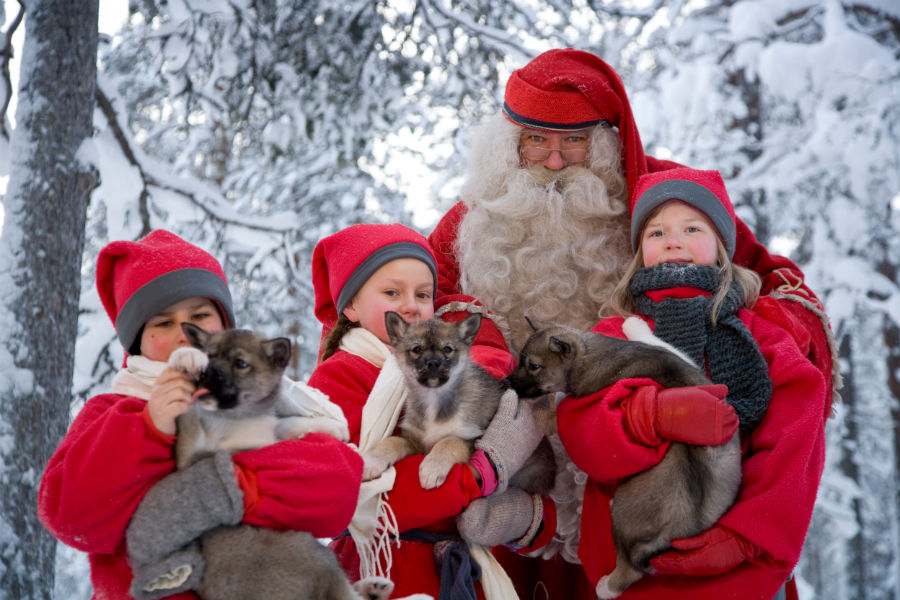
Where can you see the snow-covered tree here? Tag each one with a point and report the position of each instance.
(51, 179)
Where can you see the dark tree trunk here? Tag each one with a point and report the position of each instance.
(43, 237)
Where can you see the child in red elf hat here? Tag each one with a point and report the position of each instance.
(358, 274)
(683, 283)
(121, 443)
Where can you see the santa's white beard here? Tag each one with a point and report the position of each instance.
(547, 244)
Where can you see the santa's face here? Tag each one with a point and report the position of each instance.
(539, 241)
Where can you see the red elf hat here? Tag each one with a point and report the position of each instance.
(704, 190)
(567, 89)
(344, 261)
(137, 280)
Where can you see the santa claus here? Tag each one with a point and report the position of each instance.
(542, 230)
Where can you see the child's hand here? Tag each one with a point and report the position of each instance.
(170, 396)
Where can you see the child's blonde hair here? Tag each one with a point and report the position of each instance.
(621, 302)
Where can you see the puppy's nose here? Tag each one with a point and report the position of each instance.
(433, 365)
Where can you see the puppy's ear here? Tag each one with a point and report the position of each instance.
(196, 335)
(278, 351)
(560, 346)
(395, 326)
(468, 328)
(531, 323)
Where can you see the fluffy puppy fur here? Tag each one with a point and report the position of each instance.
(451, 402)
(240, 407)
(681, 496)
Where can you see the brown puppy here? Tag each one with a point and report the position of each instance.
(681, 496)
(450, 404)
(241, 407)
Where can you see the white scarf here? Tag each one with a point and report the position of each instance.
(137, 377)
(374, 523)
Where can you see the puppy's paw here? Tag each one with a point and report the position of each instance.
(433, 471)
(188, 360)
(602, 589)
(373, 466)
(289, 428)
(374, 588)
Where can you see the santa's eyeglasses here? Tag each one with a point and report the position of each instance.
(538, 154)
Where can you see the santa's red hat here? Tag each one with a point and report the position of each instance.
(567, 89)
(344, 261)
(704, 190)
(137, 280)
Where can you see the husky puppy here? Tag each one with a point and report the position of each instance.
(239, 406)
(451, 401)
(681, 496)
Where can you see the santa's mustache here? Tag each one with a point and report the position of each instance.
(558, 178)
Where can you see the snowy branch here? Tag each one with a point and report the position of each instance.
(7, 56)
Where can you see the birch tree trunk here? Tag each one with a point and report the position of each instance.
(40, 263)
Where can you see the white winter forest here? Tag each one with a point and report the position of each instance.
(254, 128)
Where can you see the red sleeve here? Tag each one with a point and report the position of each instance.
(100, 472)
(310, 484)
(592, 429)
(783, 457)
(417, 507)
(347, 380)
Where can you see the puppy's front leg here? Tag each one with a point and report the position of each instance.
(384, 454)
(191, 443)
(438, 462)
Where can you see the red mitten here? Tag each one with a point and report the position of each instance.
(310, 484)
(695, 415)
(714, 551)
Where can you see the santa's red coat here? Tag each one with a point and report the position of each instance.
(112, 455)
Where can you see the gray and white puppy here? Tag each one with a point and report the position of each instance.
(241, 407)
(681, 496)
(451, 402)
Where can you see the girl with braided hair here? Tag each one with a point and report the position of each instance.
(683, 283)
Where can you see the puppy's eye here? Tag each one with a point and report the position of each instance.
(416, 351)
(240, 363)
(534, 367)
(448, 350)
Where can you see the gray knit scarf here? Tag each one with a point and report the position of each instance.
(730, 352)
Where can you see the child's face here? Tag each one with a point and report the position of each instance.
(678, 233)
(404, 285)
(162, 333)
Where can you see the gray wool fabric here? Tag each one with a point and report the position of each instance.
(176, 511)
(728, 349)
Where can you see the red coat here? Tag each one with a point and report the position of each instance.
(112, 454)
(782, 464)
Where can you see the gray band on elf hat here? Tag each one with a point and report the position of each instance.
(690, 193)
(378, 259)
(164, 291)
